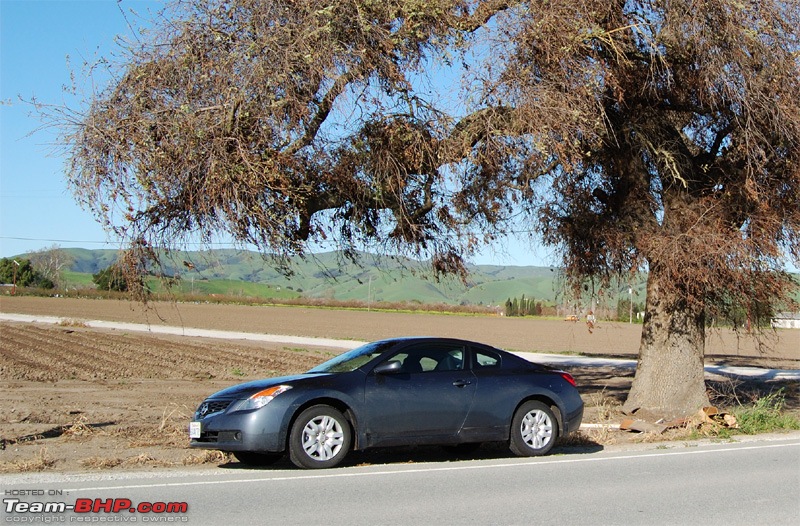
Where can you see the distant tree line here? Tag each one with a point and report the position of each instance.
(530, 307)
(523, 307)
(625, 311)
(21, 273)
(112, 278)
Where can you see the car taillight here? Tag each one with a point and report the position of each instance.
(568, 377)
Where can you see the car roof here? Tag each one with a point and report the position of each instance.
(442, 339)
(413, 339)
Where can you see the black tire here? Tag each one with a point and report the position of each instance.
(320, 438)
(534, 430)
(252, 458)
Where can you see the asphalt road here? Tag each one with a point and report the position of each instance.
(752, 482)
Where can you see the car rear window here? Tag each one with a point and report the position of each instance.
(485, 359)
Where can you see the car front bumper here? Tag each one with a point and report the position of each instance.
(258, 430)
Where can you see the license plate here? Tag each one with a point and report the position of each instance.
(194, 429)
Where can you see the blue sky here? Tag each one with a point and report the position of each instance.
(36, 208)
(36, 37)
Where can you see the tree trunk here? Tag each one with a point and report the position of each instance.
(670, 376)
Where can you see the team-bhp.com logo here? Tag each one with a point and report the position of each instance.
(124, 509)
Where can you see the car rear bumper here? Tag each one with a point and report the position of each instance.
(572, 421)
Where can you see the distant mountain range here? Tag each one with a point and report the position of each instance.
(327, 275)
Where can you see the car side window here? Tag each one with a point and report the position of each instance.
(430, 358)
(485, 359)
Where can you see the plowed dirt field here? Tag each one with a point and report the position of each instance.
(77, 399)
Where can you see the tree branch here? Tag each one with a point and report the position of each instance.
(324, 109)
(483, 13)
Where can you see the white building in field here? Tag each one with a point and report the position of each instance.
(786, 320)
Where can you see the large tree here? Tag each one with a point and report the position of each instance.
(656, 135)
(50, 262)
(23, 274)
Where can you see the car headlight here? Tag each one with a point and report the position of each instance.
(262, 398)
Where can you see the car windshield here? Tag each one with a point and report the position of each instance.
(352, 360)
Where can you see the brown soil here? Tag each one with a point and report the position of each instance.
(78, 399)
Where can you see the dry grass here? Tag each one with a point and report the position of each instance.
(146, 459)
(174, 418)
(171, 430)
(604, 436)
(145, 437)
(100, 462)
(79, 429)
(207, 457)
(40, 462)
(607, 408)
(69, 322)
(732, 392)
(142, 459)
(606, 413)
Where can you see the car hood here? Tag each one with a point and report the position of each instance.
(246, 389)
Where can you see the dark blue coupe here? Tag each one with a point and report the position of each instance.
(402, 391)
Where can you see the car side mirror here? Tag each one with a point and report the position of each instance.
(390, 367)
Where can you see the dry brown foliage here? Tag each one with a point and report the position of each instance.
(40, 462)
(645, 134)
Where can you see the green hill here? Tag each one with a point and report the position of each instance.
(328, 275)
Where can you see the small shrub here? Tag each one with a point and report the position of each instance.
(78, 429)
(69, 322)
(765, 415)
(113, 278)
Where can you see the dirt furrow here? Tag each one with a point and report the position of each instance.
(17, 365)
(49, 354)
(81, 361)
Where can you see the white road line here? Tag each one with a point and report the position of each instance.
(349, 474)
(191, 331)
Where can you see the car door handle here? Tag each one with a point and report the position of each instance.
(461, 383)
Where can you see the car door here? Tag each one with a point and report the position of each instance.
(427, 399)
(497, 395)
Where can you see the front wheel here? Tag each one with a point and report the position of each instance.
(534, 430)
(320, 438)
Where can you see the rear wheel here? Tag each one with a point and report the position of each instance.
(534, 430)
(257, 459)
(320, 438)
